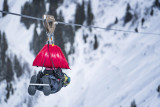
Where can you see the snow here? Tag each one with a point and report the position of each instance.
(125, 67)
(68, 11)
(18, 43)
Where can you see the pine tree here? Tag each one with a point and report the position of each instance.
(82, 11)
(59, 36)
(9, 89)
(6, 66)
(136, 29)
(157, 3)
(90, 15)
(116, 21)
(68, 36)
(53, 7)
(4, 48)
(95, 46)
(128, 7)
(38, 7)
(80, 15)
(152, 12)
(9, 71)
(85, 38)
(0, 58)
(35, 8)
(8, 92)
(17, 67)
(158, 89)
(142, 21)
(42, 40)
(5, 7)
(34, 44)
(133, 104)
(0, 41)
(27, 10)
(128, 15)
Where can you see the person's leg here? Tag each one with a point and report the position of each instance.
(32, 88)
(56, 84)
(46, 89)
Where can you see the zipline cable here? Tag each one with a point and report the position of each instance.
(73, 24)
(25, 16)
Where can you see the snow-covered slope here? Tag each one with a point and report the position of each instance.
(18, 39)
(124, 67)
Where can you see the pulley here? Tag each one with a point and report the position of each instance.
(50, 25)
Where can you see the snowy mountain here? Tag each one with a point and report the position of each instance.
(108, 68)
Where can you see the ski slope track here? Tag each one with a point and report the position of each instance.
(124, 67)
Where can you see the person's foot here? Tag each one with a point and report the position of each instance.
(32, 88)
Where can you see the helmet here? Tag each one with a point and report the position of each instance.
(68, 80)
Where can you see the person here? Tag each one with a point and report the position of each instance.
(57, 78)
(52, 76)
(57, 72)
